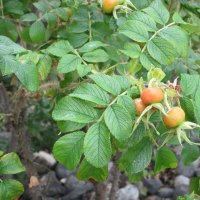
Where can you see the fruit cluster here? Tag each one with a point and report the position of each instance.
(152, 98)
(151, 95)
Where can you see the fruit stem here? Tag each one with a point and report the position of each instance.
(146, 123)
(166, 101)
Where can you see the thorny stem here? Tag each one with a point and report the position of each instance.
(151, 38)
(2, 13)
(114, 100)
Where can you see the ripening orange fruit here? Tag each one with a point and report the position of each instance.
(174, 117)
(152, 95)
(108, 5)
(140, 106)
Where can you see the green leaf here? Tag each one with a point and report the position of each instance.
(51, 19)
(194, 189)
(87, 171)
(91, 46)
(119, 121)
(29, 17)
(189, 154)
(137, 135)
(83, 70)
(77, 39)
(177, 18)
(158, 12)
(178, 38)
(9, 29)
(69, 148)
(77, 27)
(137, 158)
(62, 13)
(191, 28)
(108, 83)
(68, 63)
(55, 3)
(156, 73)
(42, 6)
(25, 35)
(135, 30)
(10, 164)
(128, 104)
(10, 189)
(134, 178)
(97, 145)
(161, 50)
(68, 126)
(148, 62)
(76, 110)
(8, 65)
(188, 106)
(44, 66)
(123, 81)
(29, 57)
(7, 46)
(165, 158)
(134, 67)
(13, 7)
(190, 84)
(91, 92)
(27, 73)
(132, 50)
(37, 32)
(197, 106)
(144, 19)
(60, 48)
(96, 56)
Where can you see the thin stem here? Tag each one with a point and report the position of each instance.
(114, 100)
(112, 67)
(76, 52)
(166, 101)
(2, 13)
(151, 38)
(149, 132)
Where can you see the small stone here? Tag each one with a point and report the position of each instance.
(129, 192)
(181, 180)
(181, 190)
(198, 172)
(72, 183)
(41, 167)
(78, 192)
(62, 172)
(154, 197)
(166, 192)
(43, 156)
(188, 170)
(110, 165)
(53, 186)
(153, 185)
